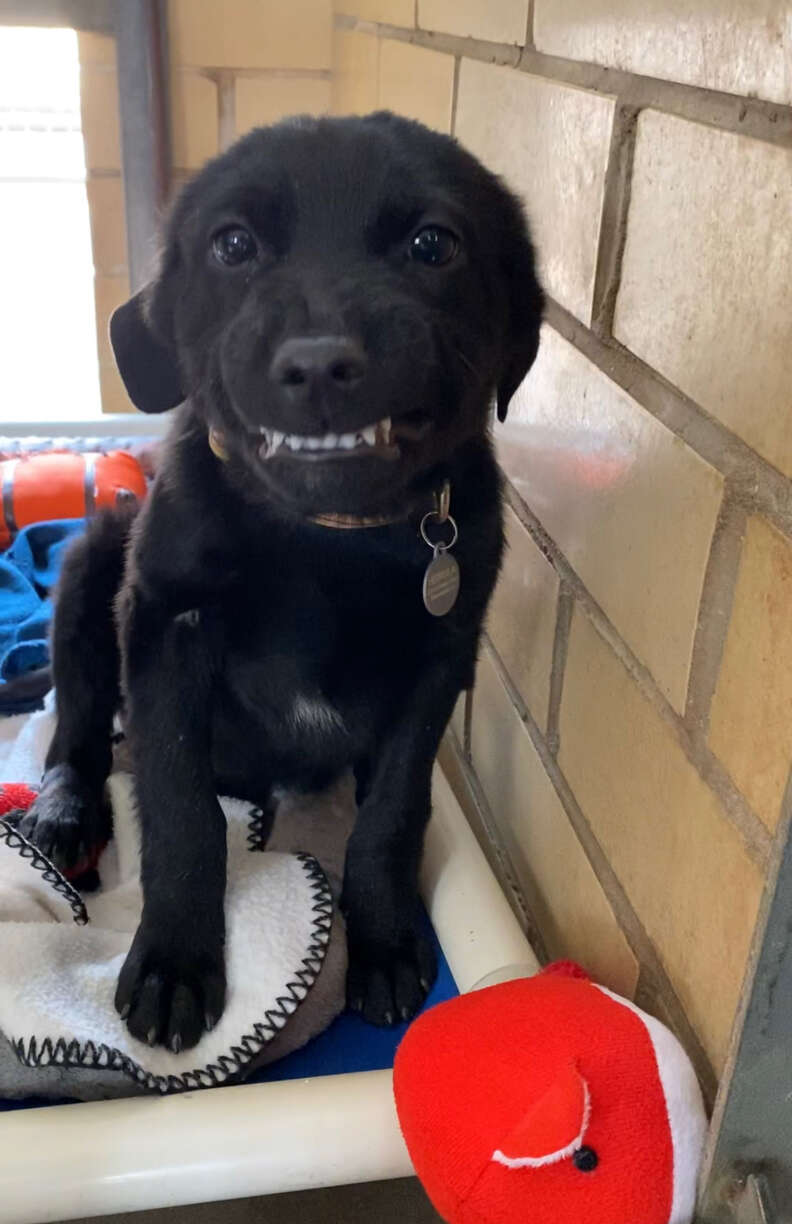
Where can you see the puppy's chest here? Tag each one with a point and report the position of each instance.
(321, 629)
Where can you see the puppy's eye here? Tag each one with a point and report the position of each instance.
(434, 245)
(233, 246)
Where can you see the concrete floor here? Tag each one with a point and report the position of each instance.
(389, 1202)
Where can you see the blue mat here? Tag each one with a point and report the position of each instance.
(349, 1044)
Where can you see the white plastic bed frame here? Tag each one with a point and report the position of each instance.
(106, 1157)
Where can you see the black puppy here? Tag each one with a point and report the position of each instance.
(339, 301)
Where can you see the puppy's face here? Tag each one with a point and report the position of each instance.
(340, 298)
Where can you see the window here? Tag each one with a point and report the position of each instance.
(48, 357)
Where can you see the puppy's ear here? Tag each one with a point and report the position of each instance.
(145, 359)
(526, 300)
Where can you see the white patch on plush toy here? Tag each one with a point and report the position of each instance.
(565, 1108)
(686, 1117)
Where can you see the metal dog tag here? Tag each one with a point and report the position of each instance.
(441, 582)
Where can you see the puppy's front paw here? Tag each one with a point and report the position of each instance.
(170, 996)
(388, 984)
(67, 821)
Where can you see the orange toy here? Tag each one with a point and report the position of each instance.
(63, 485)
(549, 1100)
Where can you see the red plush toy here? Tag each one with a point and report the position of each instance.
(15, 797)
(549, 1100)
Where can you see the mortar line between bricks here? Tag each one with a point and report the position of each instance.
(470, 48)
(624, 912)
(530, 38)
(770, 122)
(754, 482)
(715, 608)
(506, 870)
(226, 108)
(752, 831)
(455, 94)
(213, 73)
(467, 725)
(613, 218)
(563, 625)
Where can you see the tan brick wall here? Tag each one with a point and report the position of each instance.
(400, 66)
(102, 139)
(625, 755)
(243, 64)
(355, 88)
(248, 34)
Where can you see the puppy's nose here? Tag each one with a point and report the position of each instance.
(306, 363)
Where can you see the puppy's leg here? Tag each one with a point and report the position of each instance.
(392, 965)
(70, 816)
(172, 986)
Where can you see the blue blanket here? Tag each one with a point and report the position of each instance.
(28, 572)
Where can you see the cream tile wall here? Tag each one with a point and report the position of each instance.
(626, 752)
(708, 232)
(556, 162)
(629, 504)
(522, 617)
(501, 21)
(751, 726)
(562, 888)
(666, 834)
(744, 47)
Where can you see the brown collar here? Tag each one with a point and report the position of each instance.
(347, 522)
(441, 500)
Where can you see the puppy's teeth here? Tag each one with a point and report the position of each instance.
(370, 434)
(293, 442)
(385, 428)
(330, 441)
(276, 439)
(346, 441)
(313, 443)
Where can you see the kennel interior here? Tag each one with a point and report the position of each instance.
(625, 754)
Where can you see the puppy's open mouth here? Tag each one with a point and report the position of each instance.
(380, 440)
